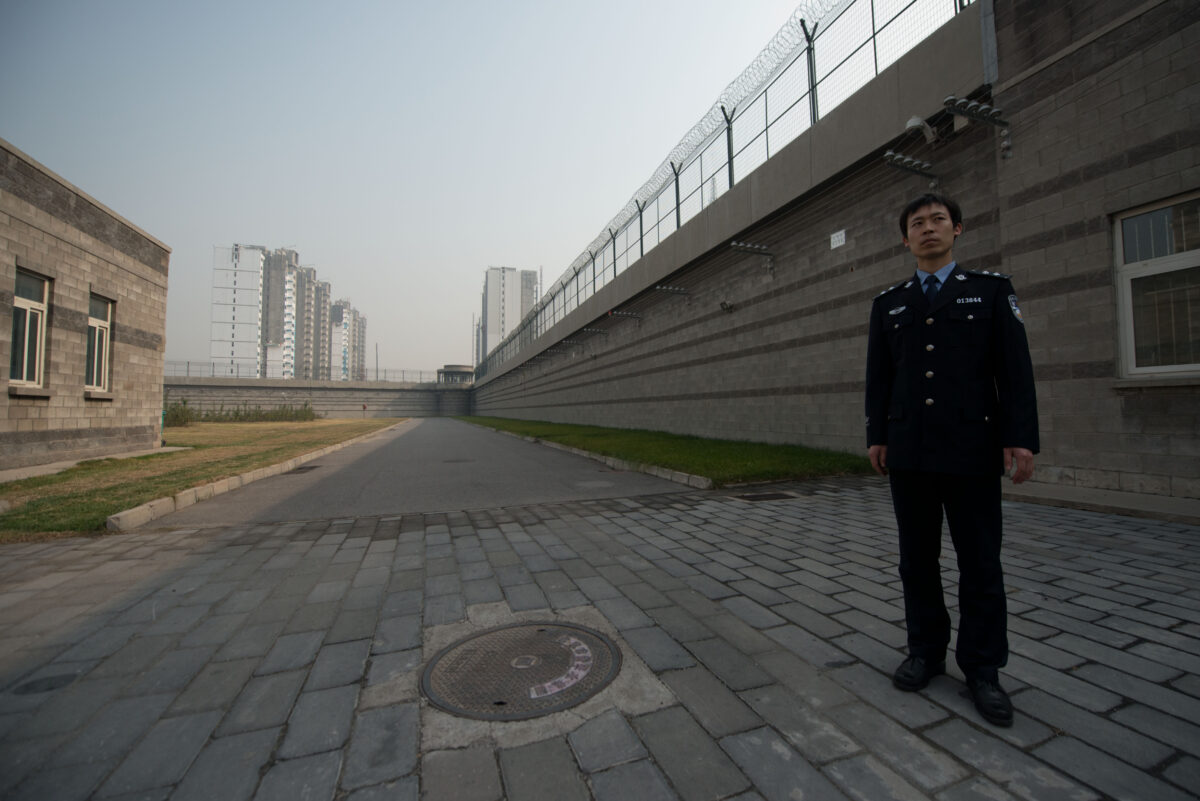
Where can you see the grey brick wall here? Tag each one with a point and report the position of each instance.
(52, 229)
(328, 398)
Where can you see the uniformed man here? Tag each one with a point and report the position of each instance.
(950, 409)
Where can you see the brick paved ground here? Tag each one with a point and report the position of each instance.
(282, 661)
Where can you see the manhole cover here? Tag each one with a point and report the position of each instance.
(521, 671)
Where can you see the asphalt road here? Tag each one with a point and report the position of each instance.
(423, 465)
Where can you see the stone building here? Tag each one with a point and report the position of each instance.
(83, 299)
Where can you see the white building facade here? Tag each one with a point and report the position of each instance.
(508, 295)
(237, 310)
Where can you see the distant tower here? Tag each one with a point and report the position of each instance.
(508, 295)
(237, 311)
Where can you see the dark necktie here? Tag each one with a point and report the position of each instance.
(931, 288)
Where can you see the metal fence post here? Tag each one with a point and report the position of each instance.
(675, 170)
(809, 36)
(729, 141)
(641, 231)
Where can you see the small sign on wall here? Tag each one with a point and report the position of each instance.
(837, 239)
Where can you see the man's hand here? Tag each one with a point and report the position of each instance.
(878, 454)
(1024, 460)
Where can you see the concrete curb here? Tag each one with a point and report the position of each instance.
(679, 477)
(159, 507)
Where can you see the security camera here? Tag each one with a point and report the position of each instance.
(918, 124)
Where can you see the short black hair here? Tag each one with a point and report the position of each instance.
(929, 199)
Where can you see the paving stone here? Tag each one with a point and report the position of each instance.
(444, 609)
(68, 708)
(1095, 730)
(903, 750)
(735, 669)
(314, 777)
(657, 649)
(542, 770)
(353, 624)
(1113, 777)
(74, 783)
(391, 666)
(163, 756)
(338, 664)
(778, 772)
(623, 613)
(112, 732)
(816, 736)
(228, 768)
(312, 617)
(1011, 768)
(217, 684)
(291, 651)
(383, 747)
(525, 597)
(695, 765)
(605, 741)
(397, 634)
(254, 639)
(637, 781)
(320, 721)
(266, 701)
(716, 708)
(406, 789)
(469, 774)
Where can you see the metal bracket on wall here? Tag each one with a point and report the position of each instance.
(761, 250)
(910, 164)
(982, 112)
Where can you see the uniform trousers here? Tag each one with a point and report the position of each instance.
(972, 509)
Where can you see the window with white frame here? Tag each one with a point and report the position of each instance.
(99, 342)
(1158, 287)
(26, 365)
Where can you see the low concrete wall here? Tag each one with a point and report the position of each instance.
(328, 398)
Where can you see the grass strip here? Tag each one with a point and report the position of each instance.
(79, 500)
(724, 461)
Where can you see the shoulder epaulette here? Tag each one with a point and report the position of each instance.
(989, 274)
(894, 287)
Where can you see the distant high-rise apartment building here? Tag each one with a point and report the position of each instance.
(347, 339)
(236, 340)
(272, 318)
(508, 295)
(280, 313)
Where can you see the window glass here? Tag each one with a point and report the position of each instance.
(1158, 283)
(1166, 318)
(28, 329)
(1162, 232)
(96, 367)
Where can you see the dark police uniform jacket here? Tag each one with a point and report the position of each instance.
(949, 386)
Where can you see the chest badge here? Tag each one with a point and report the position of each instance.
(897, 310)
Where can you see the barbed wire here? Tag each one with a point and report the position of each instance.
(778, 52)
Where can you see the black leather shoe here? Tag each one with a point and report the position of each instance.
(991, 701)
(915, 673)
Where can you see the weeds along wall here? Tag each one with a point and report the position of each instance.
(327, 398)
(750, 322)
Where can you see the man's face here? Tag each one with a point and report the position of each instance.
(931, 232)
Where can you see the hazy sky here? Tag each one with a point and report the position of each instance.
(400, 147)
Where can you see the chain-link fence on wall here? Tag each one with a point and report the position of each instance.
(197, 369)
(825, 52)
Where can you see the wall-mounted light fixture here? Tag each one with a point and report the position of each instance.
(674, 290)
(727, 307)
(616, 313)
